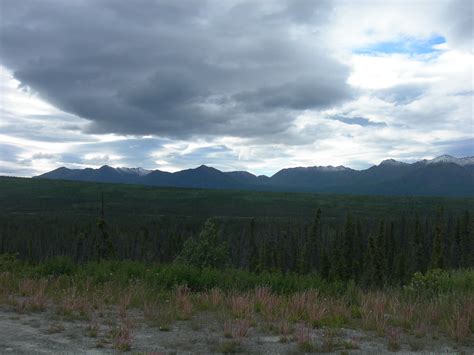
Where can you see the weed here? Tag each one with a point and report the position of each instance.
(240, 306)
(55, 328)
(228, 330)
(229, 347)
(393, 338)
(303, 339)
(241, 328)
(92, 329)
(350, 344)
(415, 345)
(183, 303)
(123, 339)
(458, 325)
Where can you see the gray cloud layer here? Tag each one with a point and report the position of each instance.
(174, 68)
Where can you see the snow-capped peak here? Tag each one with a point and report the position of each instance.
(133, 171)
(450, 159)
(392, 162)
(330, 168)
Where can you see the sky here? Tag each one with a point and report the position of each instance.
(237, 85)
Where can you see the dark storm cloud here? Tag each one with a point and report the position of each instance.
(174, 68)
(459, 15)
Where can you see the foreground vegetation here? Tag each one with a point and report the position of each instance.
(308, 269)
(373, 241)
(438, 305)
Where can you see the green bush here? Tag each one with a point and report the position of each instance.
(206, 251)
(441, 281)
(59, 265)
(10, 263)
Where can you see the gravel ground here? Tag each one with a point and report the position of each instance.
(46, 333)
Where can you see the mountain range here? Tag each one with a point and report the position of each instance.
(443, 176)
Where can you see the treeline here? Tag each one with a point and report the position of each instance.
(369, 251)
(389, 255)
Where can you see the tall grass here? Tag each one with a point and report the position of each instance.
(439, 301)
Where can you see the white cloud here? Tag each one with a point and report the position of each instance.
(406, 106)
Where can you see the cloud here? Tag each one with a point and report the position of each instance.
(240, 85)
(128, 69)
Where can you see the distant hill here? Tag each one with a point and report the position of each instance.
(442, 176)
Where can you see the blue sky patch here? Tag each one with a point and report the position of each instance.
(404, 45)
(357, 121)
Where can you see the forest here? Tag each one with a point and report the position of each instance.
(133, 268)
(373, 241)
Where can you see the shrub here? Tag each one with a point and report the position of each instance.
(60, 265)
(9, 263)
(205, 251)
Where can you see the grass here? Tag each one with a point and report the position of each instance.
(55, 328)
(229, 347)
(396, 314)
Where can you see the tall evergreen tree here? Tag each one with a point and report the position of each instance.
(466, 243)
(312, 252)
(418, 248)
(325, 265)
(456, 245)
(347, 249)
(437, 253)
(374, 274)
(390, 251)
(253, 257)
(358, 253)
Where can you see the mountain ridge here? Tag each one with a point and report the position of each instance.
(445, 175)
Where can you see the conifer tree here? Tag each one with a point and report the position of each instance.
(400, 269)
(105, 247)
(380, 257)
(418, 249)
(253, 258)
(325, 265)
(337, 258)
(437, 259)
(373, 261)
(390, 251)
(456, 246)
(347, 249)
(312, 254)
(358, 254)
(466, 243)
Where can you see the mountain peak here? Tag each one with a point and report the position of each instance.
(133, 171)
(450, 159)
(203, 167)
(391, 162)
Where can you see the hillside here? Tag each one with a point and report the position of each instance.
(442, 176)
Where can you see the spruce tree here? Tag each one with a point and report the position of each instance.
(456, 245)
(347, 249)
(337, 259)
(374, 261)
(325, 265)
(390, 252)
(418, 248)
(253, 257)
(379, 275)
(312, 254)
(358, 252)
(466, 243)
(437, 253)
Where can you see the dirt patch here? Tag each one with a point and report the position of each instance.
(46, 332)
